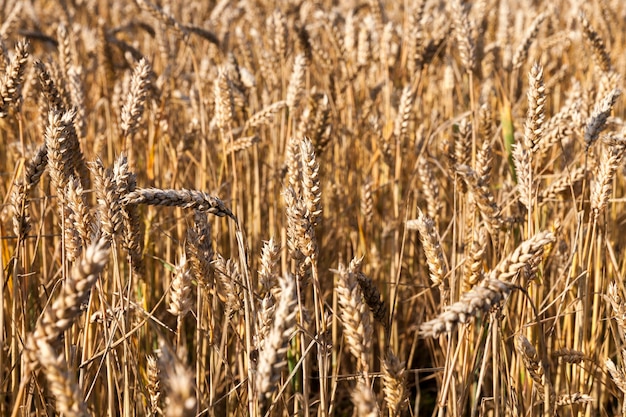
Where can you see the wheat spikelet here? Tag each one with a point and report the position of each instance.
(474, 270)
(463, 35)
(300, 232)
(181, 392)
(572, 180)
(529, 356)
(523, 169)
(230, 277)
(576, 398)
(479, 299)
(367, 202)
(617, 375)
(265, 115)
(193, 199)
(569, 355)
(484, 199)
(50, 90)
(429, 187)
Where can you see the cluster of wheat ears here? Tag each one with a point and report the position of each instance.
(312, 208)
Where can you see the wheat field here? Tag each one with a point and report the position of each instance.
(312, 208)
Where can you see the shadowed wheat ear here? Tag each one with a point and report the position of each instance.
(194, 199)
(181, 391)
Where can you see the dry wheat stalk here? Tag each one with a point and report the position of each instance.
(479, 299)
(194, 199)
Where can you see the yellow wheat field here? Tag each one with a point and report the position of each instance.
(312, 208)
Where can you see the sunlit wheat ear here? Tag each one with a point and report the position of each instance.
(296, 82)
(534, 125)
(132, 237)
(521, 53)
(224, 106)
(354, 317)
(133, 107)
(300, 232)
(61, 382)
(269, 265)
(59, 315)
(11, 83)
(180, 294)
(109, 208)
(463, 34)
(364, 400)
(526, 254)
(311, 189)
(273, 350)
(479, 299)
(432, 247)
(601, 187)
(394, 378)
